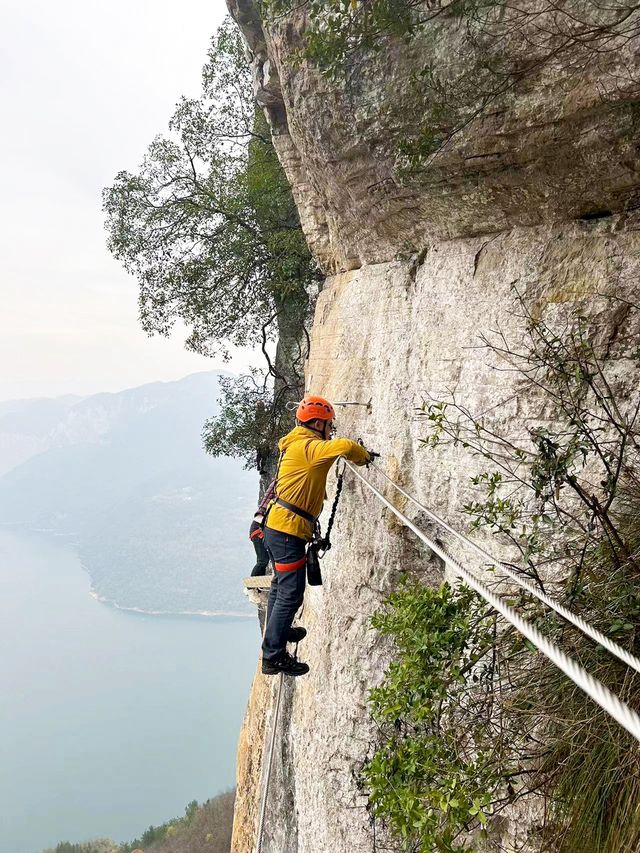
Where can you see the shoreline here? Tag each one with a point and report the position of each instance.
(202, 614)
(71, 540)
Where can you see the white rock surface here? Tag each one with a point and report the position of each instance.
(396, 333)
(420, 271)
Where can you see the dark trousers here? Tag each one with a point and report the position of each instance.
(262, 556)
(287, 588)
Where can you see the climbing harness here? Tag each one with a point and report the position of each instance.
(567, 614)
(295, 509)
(597, 691)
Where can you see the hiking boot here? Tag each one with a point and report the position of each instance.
(284, 663)
(296, 634)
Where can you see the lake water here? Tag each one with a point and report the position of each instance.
(109, 721)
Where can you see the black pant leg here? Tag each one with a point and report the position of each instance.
(262, 555)
(287, 589)
(262, 558)
(287, 600)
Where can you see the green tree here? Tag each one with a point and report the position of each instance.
(209, 228)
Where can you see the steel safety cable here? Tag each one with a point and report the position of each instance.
(597, 691)
(267, 779)
(567, 614)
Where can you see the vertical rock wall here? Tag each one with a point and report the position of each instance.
(395, 334)
(542, 197)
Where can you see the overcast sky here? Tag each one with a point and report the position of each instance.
(85, 87)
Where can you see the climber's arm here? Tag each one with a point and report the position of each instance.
(321, 452)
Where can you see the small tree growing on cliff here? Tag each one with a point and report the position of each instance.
(209, 228)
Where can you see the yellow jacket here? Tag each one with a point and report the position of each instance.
(302, 476)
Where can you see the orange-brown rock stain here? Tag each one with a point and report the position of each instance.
(249, 766)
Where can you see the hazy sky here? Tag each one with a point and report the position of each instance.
(85, 87)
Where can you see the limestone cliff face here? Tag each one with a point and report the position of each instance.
(559, 148)
(417, 274)
(395, 333)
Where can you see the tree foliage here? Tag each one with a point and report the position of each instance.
(573, 467)
(209, 228)
(208, 225)
(98, 845)
(426, 779)
(250, 421)
(204, 828)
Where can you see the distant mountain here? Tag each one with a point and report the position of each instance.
(28, 427)
(160, 526)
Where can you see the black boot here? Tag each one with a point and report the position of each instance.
(296, 634)
(284, 663)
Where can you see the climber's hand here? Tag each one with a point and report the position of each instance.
(372, 455)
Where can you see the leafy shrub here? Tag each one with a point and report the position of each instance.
(435, 769)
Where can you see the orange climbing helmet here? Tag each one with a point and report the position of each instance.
(312, 408)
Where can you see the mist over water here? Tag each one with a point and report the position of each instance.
(109, 721)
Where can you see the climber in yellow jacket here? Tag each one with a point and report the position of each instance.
(306, 456)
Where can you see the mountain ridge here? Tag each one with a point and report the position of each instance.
(150, 511)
